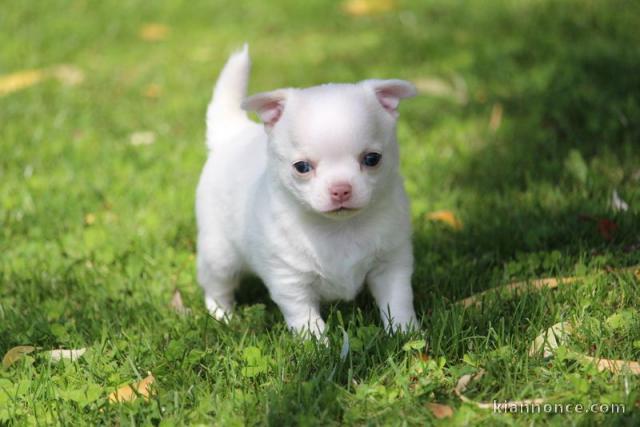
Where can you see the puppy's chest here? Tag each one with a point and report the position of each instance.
(341, 267)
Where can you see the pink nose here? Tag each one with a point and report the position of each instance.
(340, 192)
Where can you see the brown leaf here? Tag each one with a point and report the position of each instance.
(367, 7)
(615, 366)
(142, 138)
(68, 75)
(464, 381)
(128, 393)
(512, 288)
(607, 228)
(496, 117)
(153, 32)
(90, 218)
(176, 303)
(16, 353)
(446, 217)
(439, 410)
(20, 80)
(152, 91)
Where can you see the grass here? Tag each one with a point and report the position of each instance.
(96, 233)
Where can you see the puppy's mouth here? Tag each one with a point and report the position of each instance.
(342, 212)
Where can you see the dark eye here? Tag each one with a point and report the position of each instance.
(302, 167)
(371, 159)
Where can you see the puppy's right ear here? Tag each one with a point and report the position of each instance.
(268, 105)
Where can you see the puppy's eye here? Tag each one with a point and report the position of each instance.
(302, 167)
(371, 159)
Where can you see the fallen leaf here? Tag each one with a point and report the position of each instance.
(434, 86)
(463, 383)
(16, 353)
(128, 393)
(617, 203)
(177, 305)
(615, 366)
(496, 117)
(367, 7)
(90, 218)
(20, 80)
(69, 75)
(607, 228)
(59, 354)
(512, 288)
(153, 32)
(439, 410)
(549, 282)
(446, 217)
(152, 91)
(550, 339)
(142, 138)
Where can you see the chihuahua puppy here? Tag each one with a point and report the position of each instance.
(311, 201)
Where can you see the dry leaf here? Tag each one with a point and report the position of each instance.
(615, 366)
(607, 228)
(549, 282)
(439, 410)
(153, 32)
(463, 383)
(69, 75)
(152, 91)
(367, 7)
(20, 80)
(142, 138)
(496, 117)
(128, 393)
(90, 218)
(59, 354)
(512, 288)
(446, 217)
(177, 305)
(434, 86)
(550, 339)
(16, 353)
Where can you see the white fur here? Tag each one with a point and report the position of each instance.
(256, 214)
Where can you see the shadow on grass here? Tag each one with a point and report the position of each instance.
(569, 90)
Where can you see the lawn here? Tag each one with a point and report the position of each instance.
(527, 122)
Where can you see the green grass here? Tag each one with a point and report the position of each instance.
(566, 76)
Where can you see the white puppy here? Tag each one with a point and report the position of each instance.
(312, 202)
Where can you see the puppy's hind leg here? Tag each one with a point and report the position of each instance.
(219, 278)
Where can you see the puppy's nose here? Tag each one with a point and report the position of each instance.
(340, 192)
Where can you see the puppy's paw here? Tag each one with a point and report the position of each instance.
(403, 324)
(311, 329)
(217, 311)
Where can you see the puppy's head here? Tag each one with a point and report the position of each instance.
(333, 147)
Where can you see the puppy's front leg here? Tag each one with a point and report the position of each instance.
(390, 285)
(300, 308)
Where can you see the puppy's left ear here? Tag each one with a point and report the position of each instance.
(390, 92)
(268, 105)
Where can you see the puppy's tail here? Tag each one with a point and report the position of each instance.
(225, 117)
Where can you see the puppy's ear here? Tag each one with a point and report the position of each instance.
(268, 105)
(390, 92)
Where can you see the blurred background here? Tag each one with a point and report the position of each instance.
(521, 154)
